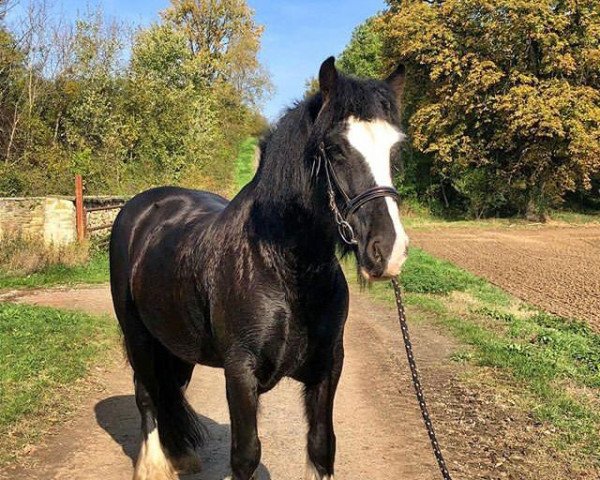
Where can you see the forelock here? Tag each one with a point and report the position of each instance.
(366, 100)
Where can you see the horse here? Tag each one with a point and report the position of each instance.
(254, 285)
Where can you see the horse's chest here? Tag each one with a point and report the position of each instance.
(291, 347)
(281, 352)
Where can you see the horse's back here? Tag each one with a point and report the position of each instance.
(152, 208)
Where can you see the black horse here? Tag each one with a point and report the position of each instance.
(253, 285)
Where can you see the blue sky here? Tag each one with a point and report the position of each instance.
(299, 34)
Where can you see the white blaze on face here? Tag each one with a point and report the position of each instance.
(374, 141)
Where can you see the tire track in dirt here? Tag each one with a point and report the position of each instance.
(555, 268)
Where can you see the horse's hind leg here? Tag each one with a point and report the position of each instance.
(153, 462)
(171, 432)
(181, 432)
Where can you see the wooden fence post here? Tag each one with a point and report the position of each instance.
(79, 209)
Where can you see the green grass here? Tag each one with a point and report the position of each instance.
(576, 218)
(244, 165)
(417, 216)
(553, 362)
(43, 352)
(93, 272)
(423, 273)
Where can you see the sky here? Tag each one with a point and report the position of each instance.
(299, 35)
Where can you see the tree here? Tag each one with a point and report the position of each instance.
(176, 128)
(71, 103)
(93, 127)
(224, 39)
(364, 54)
(508, 89)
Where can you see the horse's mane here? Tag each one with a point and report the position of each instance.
(286, 142)
(302, 112)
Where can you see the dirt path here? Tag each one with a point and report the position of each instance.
(379, 430)
(556, 268)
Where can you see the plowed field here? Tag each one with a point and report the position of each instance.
(555, 268)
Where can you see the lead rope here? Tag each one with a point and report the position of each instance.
(417, 382)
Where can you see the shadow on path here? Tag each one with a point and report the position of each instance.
(119, 417)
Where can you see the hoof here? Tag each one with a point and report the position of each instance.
(313, 474)
(187, 465)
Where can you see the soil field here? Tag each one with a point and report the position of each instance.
(555, 268)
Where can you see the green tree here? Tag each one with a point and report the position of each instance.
(174, 113)
(509, 89)
(93, 127)
(177, 134)
(364, 54)
(24, 57)
(224, 39)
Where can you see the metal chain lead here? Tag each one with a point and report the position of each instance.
(417, 382)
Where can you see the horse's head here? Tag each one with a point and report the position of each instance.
(357, 134)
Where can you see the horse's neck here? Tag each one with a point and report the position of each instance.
(285, 212)
(288, 218)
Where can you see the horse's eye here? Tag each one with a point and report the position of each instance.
(336, 153)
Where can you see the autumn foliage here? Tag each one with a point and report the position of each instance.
(503, 101)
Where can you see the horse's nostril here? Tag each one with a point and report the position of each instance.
(375, 251)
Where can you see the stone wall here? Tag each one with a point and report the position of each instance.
(52, 219)
(22, 216)
(59, 221)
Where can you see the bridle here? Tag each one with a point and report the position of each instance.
(352, 205)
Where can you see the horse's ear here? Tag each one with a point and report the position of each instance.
(328, 77)
(396, 81)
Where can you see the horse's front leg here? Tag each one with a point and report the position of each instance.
(318, 400)
(242, 397)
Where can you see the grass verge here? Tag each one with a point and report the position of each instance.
(576, 218)
(244, 165)
(44, 353)
(92, 272)
(417, 216)
(552, 363)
